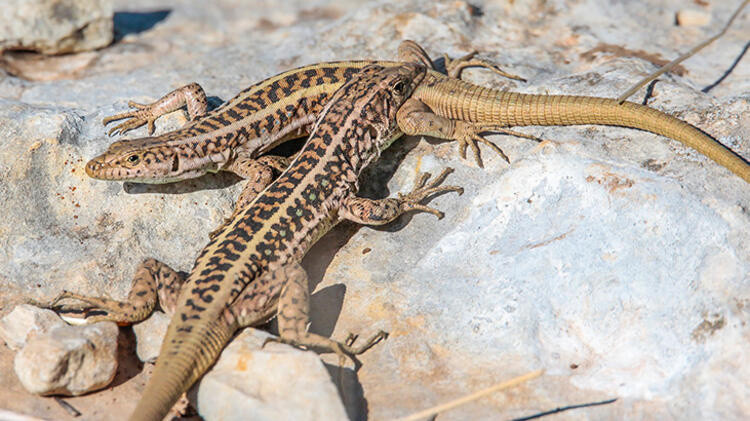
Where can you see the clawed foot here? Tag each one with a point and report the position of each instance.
(343, 350)
(422, 191)
(469, 135)
(143, 114)
(454, 67)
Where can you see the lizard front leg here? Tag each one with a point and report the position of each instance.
(416, 119)
(152, 279)
(191, 95)
(259, 173)
(382, 211)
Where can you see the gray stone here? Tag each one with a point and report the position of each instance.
(276, 382)
(55, 26)
(614, 258)
(149, 335)
(69, 360)
(25, 321)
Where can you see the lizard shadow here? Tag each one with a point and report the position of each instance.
(128, 364)
(326, 305)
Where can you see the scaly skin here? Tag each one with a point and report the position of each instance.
(251, 267)
(283, 107)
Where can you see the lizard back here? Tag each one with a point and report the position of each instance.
(278, 226)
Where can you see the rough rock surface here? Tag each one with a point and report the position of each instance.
(275, 382)
(55, 26)
(613, 258)
(25, 321)
(69, 360)
(149, 335)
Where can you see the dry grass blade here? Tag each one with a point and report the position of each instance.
(474, 396)
(681, 58)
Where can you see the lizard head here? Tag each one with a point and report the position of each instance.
(146, 160)
(378, 93)
(395, 86)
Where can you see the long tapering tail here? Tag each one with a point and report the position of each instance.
(182, 360)
(457, 99)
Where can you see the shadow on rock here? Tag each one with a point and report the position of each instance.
(136, 22)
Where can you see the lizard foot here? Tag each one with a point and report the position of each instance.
(143, 114)
(469, 135)
(343, 350)
(411, 201)
(454, 67)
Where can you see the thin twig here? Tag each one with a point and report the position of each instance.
(681, 58)
(67, 407)
(474, 396)
(565, 408)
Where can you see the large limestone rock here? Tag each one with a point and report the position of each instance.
(615, 259)
(55, 26)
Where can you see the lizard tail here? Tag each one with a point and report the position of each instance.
(484, 105)
(181, 362)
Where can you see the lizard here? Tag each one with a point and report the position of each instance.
(282, 107)
(251, 269)
(237, 136)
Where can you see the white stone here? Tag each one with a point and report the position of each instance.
(277, 382)
(532, 267)
(69, 360)
(692, 17)
(24, 322)
(55, 26)
(149, 335)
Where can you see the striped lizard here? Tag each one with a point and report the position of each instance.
(251, 269)
(233, 136)
(237, 136)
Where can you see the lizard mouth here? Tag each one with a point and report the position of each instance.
(91, 168)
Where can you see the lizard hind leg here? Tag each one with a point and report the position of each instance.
(151, 276)
(454, 67)
(410, 51)
(294, 315)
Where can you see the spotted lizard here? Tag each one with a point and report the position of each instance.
(235, 136)
(251, 269)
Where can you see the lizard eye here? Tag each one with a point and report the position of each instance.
(400, 88)
(133, 159)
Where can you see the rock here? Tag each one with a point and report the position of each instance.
(24, 322)
(55, 26)
(149, 336)
(692, 17)
(614, 258)
(69, 360)
(574, 265)
(277, 382)
(15, 416)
